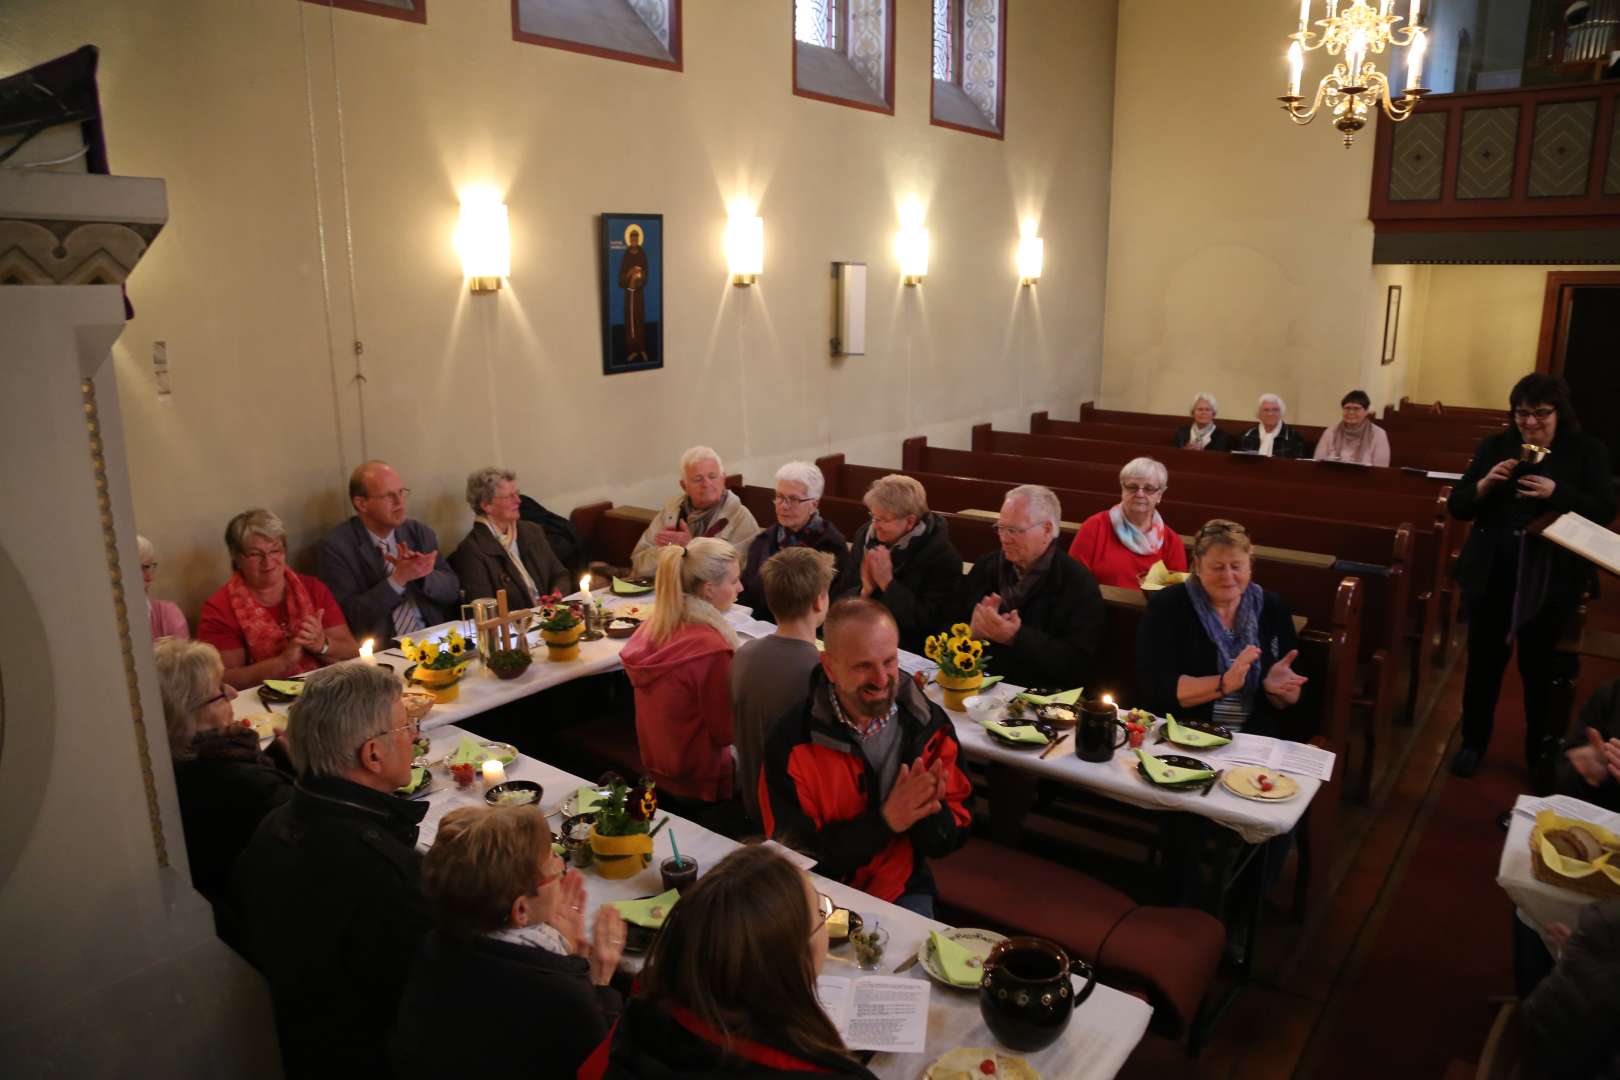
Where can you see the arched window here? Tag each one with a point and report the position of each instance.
(970, 65)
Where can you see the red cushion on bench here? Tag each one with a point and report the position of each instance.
(1173, 952)
(1003, 886)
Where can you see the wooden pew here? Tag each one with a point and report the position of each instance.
(1436, 539)
(1416, 450)
(610, 532)
(1169, 422)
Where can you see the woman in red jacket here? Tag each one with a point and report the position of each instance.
(1119, 545)
(679, 662)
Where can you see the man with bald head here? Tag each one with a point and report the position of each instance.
(385, 568)
(864, 774)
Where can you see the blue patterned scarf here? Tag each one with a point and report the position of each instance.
(1245, 629)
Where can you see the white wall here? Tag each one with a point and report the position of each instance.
(1239, 248)
(211, 95)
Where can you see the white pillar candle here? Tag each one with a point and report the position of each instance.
(365, 652)
(1296, 68)
(494, 773)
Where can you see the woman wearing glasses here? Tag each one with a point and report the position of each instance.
(799, 523)
(729, 988)
(225, 785)
(509, 952)
(904, 559)
(267, 621)
(1518, 588)
(1355, 438)
(1120, 545)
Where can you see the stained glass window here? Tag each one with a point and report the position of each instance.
(815, 22)
(944, 41)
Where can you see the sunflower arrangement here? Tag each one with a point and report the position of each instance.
(431, 656)
(958, 654)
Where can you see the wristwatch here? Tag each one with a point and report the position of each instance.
(326, 648)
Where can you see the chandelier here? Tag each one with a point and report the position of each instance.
(1350, 91)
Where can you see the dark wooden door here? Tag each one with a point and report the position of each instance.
(1584, 347)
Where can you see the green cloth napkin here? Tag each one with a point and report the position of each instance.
(587, 799)
(991, 680)
(622, 587)
(1187, 736)
(961, 965)
(1161, 772)
(469, 751)
(285, 686)
(418, 776)
(1016, 733)
(650, 912)
(1068, 697)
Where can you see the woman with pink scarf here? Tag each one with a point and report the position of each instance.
(1355, 438)
(1120, 545)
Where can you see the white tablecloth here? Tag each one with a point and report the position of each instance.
(1104, 1031)
(1118, 779)
(1538, 902)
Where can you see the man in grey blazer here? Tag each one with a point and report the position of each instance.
(384, 568)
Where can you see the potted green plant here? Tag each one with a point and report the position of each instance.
(620, 844)
(509, 663)
(560, 629)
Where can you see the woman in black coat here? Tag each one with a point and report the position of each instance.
(1219, 647)
(1517, 587)
(799, 486)
(904, 559)
(224, 783)
(1201, 433)
(509, 955)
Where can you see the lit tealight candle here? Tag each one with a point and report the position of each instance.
(1108, 699)
(494, 773)
(365, 652)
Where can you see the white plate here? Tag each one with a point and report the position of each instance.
(1242, 770)
(978, 942)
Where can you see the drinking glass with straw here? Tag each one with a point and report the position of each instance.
(679, 872)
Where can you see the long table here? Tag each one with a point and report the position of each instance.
(480, 691)
(1100, 1037)
(1539, 902)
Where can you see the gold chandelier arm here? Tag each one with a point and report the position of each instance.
(1304, 116)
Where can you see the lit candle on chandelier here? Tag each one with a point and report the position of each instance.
(1412, 18)
(1304, 15)
(365, 652)
(1296, 68)
(1414, 58)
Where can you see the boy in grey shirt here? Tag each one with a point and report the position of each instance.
(770, 676)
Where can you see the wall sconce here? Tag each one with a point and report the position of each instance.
(911, 244)
(745, 246)
(483, 241)
(1031, 255)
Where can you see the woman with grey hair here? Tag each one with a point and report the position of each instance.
(225, 785)
(1202, 434)
(904, 559)
(1120, 545)
(267, 621)
(799, 523)
(503, 552)
(1271, 437)
(703, 508)
(165, 615)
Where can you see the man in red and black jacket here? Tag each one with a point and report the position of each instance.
(864, 776)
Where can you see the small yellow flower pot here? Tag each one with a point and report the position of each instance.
(958, 688)
(444, 683)
(620, 857)
(563, 644)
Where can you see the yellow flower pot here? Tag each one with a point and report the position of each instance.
(444, 683)
(563, 644)
(958, 688)
(619, 857)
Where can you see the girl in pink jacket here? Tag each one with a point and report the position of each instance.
(679, 662)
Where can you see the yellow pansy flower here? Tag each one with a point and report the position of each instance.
(961, 630)
(931, 649)
(978, 649)
(430, 651)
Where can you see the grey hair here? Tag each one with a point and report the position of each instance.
(188, 675)
(695, 454)
(481, 485)
(802, 472)
(340, 708)
(251, 523)
(148, 552)
(1043, 504)
(1273, 399)
(1209, 398)
(898, 494)
(1146, 468)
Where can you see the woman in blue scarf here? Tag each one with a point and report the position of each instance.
(1219, 647)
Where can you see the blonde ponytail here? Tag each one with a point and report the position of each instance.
(680, 571)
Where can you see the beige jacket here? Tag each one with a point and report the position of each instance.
(739, 530)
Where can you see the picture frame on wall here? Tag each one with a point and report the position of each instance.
(632, 292)
(1392, 323)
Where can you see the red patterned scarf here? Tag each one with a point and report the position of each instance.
(265, 636)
